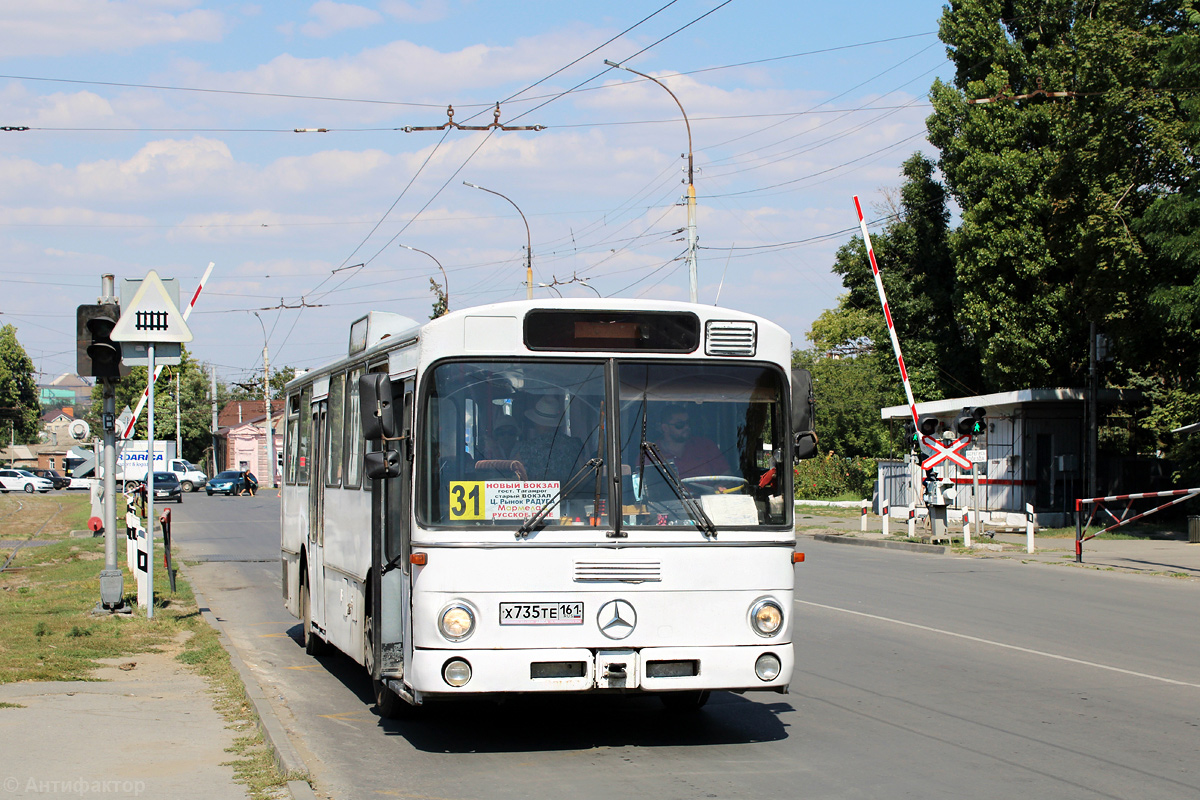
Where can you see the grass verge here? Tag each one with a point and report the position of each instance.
(47, 632)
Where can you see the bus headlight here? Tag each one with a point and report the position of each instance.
(456, 672)
(767, 667)
(766, 617)
(457, 621)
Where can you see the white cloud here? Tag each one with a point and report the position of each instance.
(331, 18)
(427, 11)
(73, 27)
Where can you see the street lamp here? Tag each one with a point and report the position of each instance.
(270, 476)
(528, 241)
(445, 279)
(691, 204)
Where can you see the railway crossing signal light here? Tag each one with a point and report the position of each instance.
(97, 354)
(928, 425)
(970, 422)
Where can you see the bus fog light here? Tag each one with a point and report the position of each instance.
(766, 617)
(456, 622)
(456, 672)
(767, 667)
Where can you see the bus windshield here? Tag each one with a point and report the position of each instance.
(697, 445)
(712, 432)
(503, 440)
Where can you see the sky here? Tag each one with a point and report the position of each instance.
(162, 135)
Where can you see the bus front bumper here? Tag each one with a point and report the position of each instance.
(649, 669)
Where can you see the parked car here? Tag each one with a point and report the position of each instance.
(13, 480)
(228, 483)
(167, 487)
(59, 481)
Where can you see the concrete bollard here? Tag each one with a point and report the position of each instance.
(885, 516)
(862, 525)
(966, 528)
(912, 522)
(1029, 526)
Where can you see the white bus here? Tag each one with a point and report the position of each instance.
(563, 496)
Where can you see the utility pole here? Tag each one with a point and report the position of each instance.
(213, 371)
(178, 418)
(270, 444)
(691, 183)
(112, 580)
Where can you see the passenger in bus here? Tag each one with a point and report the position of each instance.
(547, 451)
(502, 442)
(694, 456)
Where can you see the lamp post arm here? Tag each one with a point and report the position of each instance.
(528, 238)
(445, 278)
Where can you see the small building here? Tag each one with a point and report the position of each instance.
(1034, 451)
(242, 437)
(67, 389)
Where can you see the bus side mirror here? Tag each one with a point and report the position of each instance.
(378, 421)
(803, 412)
(382, 464)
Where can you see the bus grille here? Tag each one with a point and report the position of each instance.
(730, 338)
(617, 571)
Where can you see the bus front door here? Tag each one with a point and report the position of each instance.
(392, 546)
(316, 516)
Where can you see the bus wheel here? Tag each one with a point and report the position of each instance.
(391, 705)
(313, 645)
(679, 702)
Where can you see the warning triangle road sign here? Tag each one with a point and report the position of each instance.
(151, 316)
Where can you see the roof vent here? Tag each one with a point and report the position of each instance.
(730, 338)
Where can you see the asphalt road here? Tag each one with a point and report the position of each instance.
(917, 676)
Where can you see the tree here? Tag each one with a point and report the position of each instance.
(195, 406)
(1052, 188)
(18, 390)
(440, 305)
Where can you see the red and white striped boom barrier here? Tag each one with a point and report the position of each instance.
(887, 313)
(137, 412)
(1180, 496)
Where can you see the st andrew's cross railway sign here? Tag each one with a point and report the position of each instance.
(942, 452)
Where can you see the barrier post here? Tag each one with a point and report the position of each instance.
(1078, 531)
(966, 528)
(885, 516)
(165, 520)
(912, 522)
(1029, 548)
(862, 525)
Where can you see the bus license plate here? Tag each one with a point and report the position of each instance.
(541, 613)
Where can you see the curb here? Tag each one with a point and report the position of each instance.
(911, 547)
(286, 757)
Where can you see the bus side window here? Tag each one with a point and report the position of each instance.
(303, 437)
(333, 442)
(353, 431)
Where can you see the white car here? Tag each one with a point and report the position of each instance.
(12, 480)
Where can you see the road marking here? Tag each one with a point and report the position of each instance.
(1019, 649)
(271, 635)
(307, 666)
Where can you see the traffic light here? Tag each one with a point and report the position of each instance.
(97, 354)
(970, 422)
(928, 425)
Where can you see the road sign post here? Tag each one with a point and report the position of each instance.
(151, 318)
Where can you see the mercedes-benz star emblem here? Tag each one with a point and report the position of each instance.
(616, 619)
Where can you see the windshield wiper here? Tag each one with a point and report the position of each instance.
(539, 516)
(699, 517)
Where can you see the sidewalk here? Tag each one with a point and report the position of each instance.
(145, 727)
(1172, 557)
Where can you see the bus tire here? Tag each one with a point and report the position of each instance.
(391, 705)
(313, 644)
(683, 702)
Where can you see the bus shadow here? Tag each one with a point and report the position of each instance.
(548, 723)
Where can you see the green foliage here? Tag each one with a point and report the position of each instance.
(19, 401)
(440, 303)
(831, 475)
